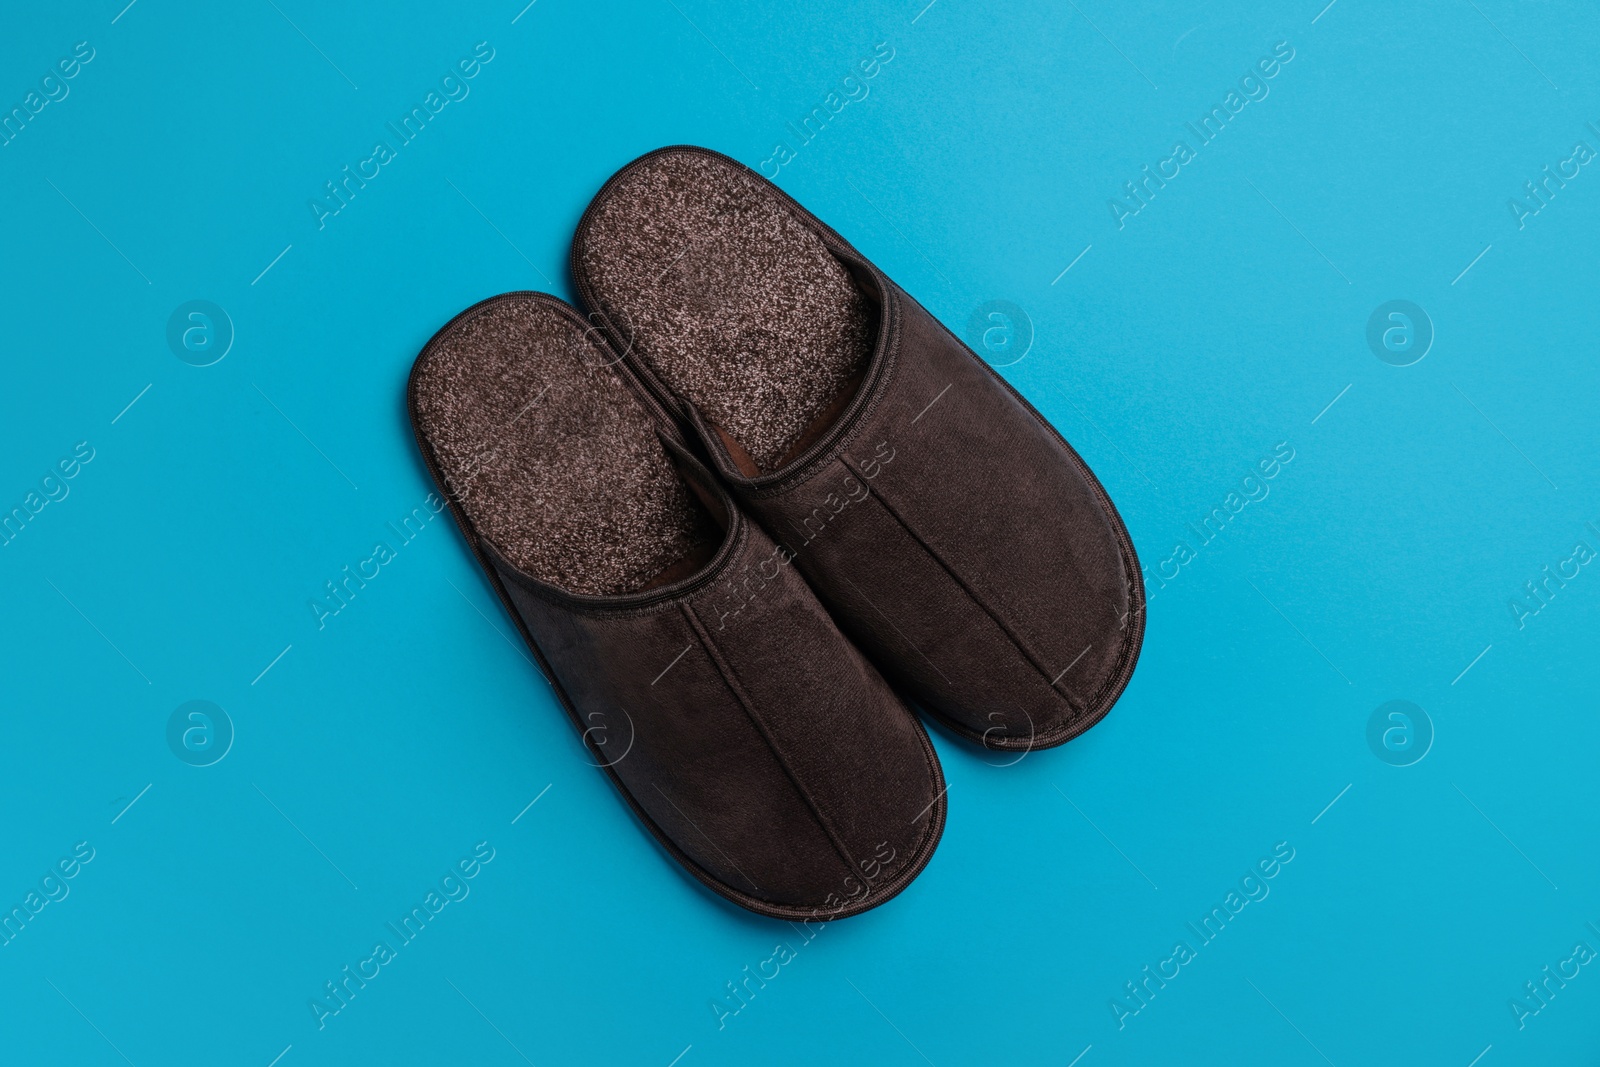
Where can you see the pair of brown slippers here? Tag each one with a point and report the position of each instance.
(755, 482)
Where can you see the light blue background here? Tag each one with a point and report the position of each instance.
(1177, 351)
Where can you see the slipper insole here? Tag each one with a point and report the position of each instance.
(553, 458)
(731, 300)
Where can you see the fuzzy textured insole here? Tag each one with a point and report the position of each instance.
(554, 459)
(728, 297)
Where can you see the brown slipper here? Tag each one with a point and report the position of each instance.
(951, 530)
(758, 746)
